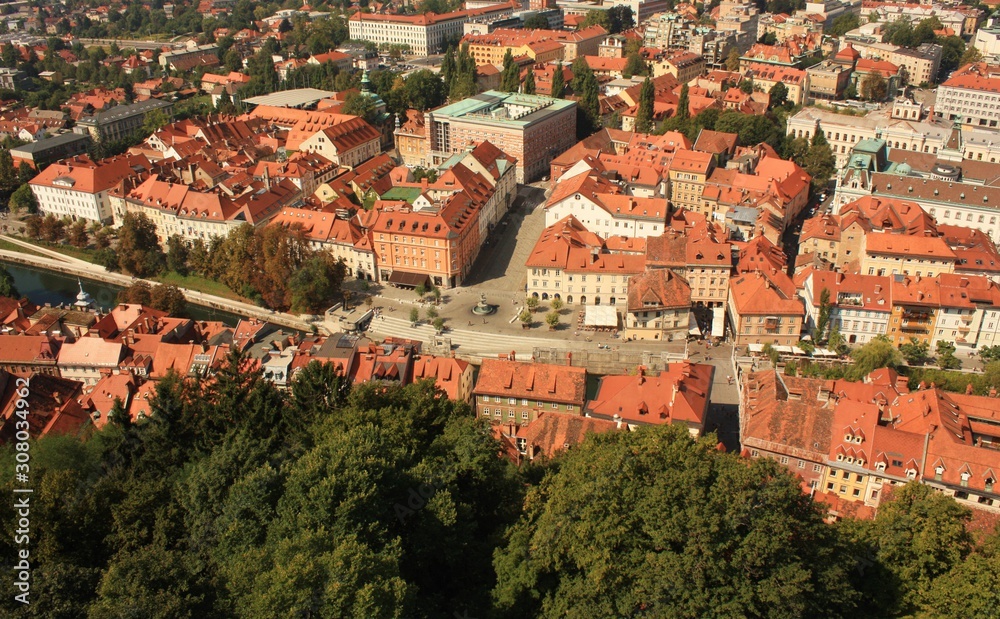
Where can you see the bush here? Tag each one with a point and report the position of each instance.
(414, 316)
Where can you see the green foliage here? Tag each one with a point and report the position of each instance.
(918, 536)
(807, 347)
(78, 236)
(683, 102)
(874, 87)
(747, 86)
(558, 83)
(552, 319)
(510, 75)
(952, 52)
(588, 116)
(168, 298)
(358, 104)
(779, 94)
(946, 356)
(989, 353)
(53, 228)
(531, 303)
(733, 60)
(878, 353)
(139, 292)
(139, 250)
(529, 82)
(823, 319)
(23, 200)
(431, 312)
(915, 351)
(635, 65)
(7, 287)
(557, 304)
(177, 254)
(644, 116)
(525, 316)
(653, 523)
(843, 24)
(414, 315)
(536, 22)
(316, 283)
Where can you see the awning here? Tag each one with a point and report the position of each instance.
(600, 316)
(404, 278)
(718, 321)
(693, 328)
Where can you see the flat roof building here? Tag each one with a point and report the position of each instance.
(534, 129)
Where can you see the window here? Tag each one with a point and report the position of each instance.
(817, 468)
(784, 459)
(524, 415)
(802, 464)
(512, 401)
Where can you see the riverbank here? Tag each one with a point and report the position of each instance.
(61, 263)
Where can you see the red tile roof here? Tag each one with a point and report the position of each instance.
(532, 381)
(679, 394)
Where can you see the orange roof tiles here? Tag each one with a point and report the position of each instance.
(679, 394)
(532, 381)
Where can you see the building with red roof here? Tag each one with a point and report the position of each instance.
(857, 440)
(52, 408)
(971, 96)
(764, 308)
(79, 188)
(547, 435)
(517, 392)
(678, 394)
(658, 306)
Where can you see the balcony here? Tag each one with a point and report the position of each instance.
(915, 325)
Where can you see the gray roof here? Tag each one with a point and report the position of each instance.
(124, 111)
(47, 143)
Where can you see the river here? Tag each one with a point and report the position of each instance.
(43, 286)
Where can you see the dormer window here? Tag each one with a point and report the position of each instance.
(880, 466)
(911, 474)
(857, 439)
(965, 478)
(840, 457)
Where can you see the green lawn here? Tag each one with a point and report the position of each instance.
(68, 250)
(4, 244)
(201, 284)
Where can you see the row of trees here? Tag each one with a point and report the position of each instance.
(235, 499)
(273, 266)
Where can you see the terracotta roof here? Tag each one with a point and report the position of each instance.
(870, 292)
(91, 351)
(765, 293)
(549, 434)
(447, 372)
(658, 289)
(86, 176)
(52, 402)
(679, 394)
(568, 245)
(532, 381)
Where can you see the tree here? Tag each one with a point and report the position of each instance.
(915, 351)
(7, 287)
(420, 290)
(438, 324)
(510, 75)
(823, 318)
(23, 200)
(154, 120)
(525, 317)
(768, 38)
(779, 94)
(558, 84)
(746, 86)
(431, 312)
(644, 116)
(971, 54)
(989, 353)
(878, 353)
(716, 528)
(586, 89)
(361, 105)
(733, 60)
(635, 65)
(552, 319)
(843, 24)
(448, 66)
(556, 304)
(139, 293)
(820, 163)
(836, 342)
(946, 356)
(968, 588)
(139, 250)
(620, 18)
(33, 226)
(531, 303)
(536, 22)
(53, 228)
(25, 173)
(8, 174)
(177, 255)
(317, 283)
(874, 87)
(168, 298)
(683, 103)
(596, 18)
(917, 536)
(952, 52)
(529, 81)
(78, 235)
(414, 316)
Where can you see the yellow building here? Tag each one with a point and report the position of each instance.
(688, 172)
